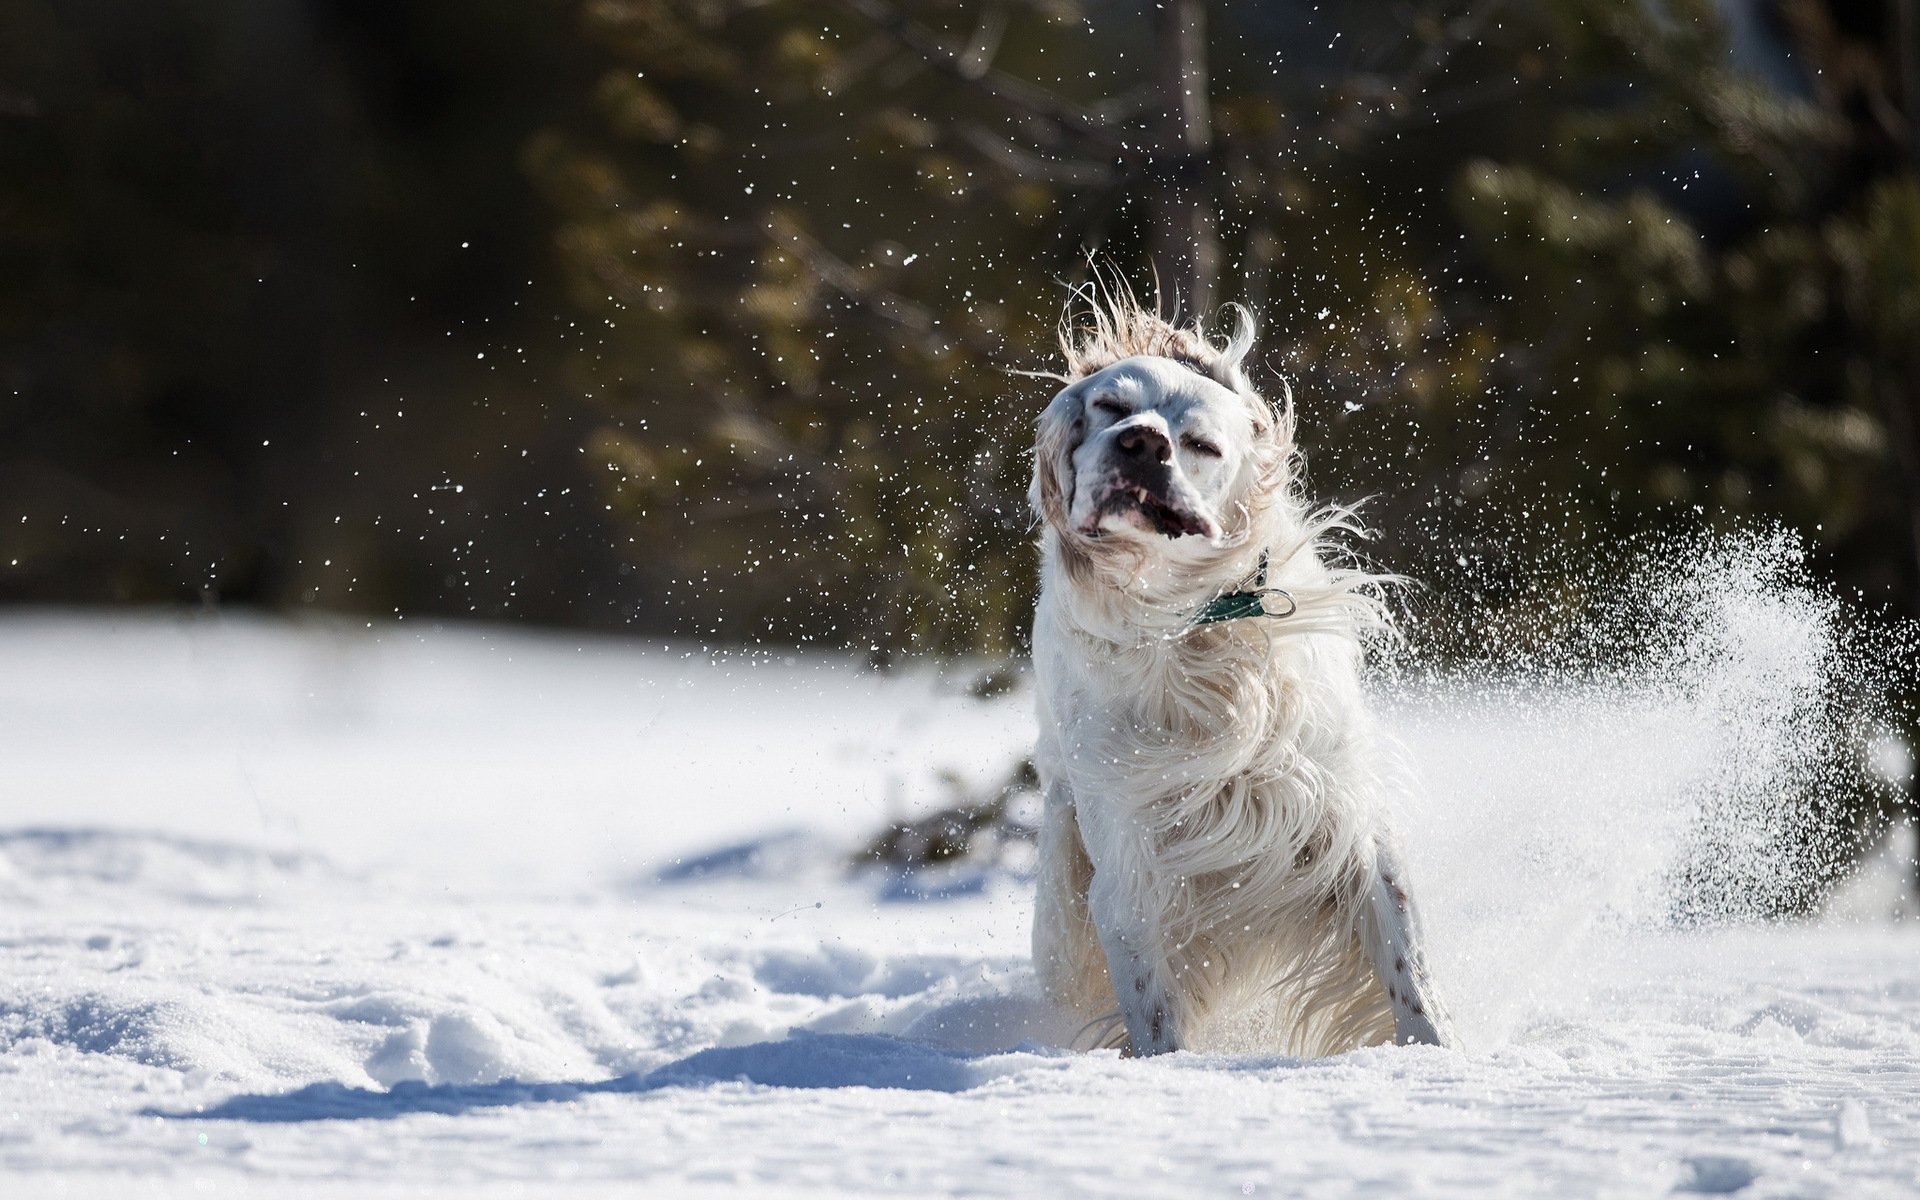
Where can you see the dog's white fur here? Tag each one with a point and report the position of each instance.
(1214, 854)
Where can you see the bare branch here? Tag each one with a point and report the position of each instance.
(1011, 92)
(1030, 165)
(878, 301)
(978, 56)
(869, 54)
(1121, 106)
(1377, 101)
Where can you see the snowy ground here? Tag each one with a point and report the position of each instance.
(317, 910)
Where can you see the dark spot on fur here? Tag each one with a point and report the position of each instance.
(1400, 965)
(1419, 1009)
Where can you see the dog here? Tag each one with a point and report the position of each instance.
(1215, 858)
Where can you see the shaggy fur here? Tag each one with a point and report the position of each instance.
(1214, 857)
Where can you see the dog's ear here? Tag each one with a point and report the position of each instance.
(1062, 425)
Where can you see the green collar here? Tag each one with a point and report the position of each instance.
(1248, 602)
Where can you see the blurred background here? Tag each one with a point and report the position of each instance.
(694, 316)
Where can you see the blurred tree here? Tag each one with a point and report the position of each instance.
(1712, 276)
(817, 233)
(1542, 273)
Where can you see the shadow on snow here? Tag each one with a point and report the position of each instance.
(803, 1061)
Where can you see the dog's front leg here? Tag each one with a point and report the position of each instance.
(1142, 982)
(1390, 932)
(1066, 945)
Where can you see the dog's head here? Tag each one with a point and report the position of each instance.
(1157, 446)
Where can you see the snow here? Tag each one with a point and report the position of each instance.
(311, 909)
(481, 758)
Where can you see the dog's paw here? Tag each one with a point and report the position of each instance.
(1421, 1029)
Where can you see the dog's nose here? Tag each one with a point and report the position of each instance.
(1144, 442)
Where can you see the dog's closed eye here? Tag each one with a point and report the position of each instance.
(1200, 446)
(1112, 407)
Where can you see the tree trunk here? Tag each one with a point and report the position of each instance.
(1184, 240)
(1906, 66)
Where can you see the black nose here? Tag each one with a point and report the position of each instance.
(1144, 441)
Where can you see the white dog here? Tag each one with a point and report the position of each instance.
(1214, 851)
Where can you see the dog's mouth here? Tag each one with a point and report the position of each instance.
(1172, 513)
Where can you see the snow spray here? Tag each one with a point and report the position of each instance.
(1688, 742)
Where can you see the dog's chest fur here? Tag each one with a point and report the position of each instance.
(1224, 775)
(1223, 743)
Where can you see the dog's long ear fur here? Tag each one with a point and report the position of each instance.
(1061, 427)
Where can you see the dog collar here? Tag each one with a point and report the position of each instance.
(1247, 602)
